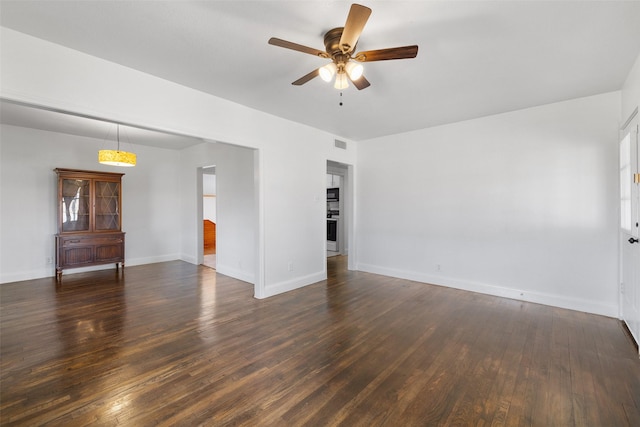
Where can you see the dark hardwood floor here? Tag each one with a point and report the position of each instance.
(178, 344)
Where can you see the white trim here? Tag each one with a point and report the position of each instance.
(49, 271)
(235, 273)
(259, 268)
(485, 288)
(199, 215)
(151, 260)
(629, 120)
(292, 284)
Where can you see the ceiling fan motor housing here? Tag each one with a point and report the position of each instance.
(332, 46)
(332, 42)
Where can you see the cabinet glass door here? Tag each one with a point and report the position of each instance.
(107, 211)
(75, 204)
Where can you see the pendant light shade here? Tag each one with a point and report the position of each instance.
(117, 157)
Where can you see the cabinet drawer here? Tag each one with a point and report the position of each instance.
(84, 241)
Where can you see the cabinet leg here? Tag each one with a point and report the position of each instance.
(58, 275)
(120, 268)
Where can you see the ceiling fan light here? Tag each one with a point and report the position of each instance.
(327, 72)
(341, 81)
(354, 70)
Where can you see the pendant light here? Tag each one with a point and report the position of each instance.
(117, 157)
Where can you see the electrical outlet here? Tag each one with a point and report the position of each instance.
(290, 266)
(438, 267)
(49, 260)
(622, 288)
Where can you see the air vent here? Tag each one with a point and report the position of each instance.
(340, 144)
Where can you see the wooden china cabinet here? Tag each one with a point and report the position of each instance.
(89, 219)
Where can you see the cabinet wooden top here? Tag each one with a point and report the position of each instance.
(79, 172)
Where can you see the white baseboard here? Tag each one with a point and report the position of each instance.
(553, 300)
(292, 284)
(28, 275)
(188, 258)
(51, 271)
(151, 260)
(235, 273)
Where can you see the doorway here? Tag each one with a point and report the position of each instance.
(209, 218)
(339, 209)
(238, 237)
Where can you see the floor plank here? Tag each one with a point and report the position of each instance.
(178, 344)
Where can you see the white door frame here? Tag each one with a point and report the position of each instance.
(629, 290)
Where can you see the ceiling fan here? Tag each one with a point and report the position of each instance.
(340, 44)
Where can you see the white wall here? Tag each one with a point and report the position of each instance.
(522, 204)
(291, 163)
(157, 203)
(236, 227)
(28, 204)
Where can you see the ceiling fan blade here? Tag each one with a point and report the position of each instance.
(302, 80)
(356, 20)
(298, 47)
(403, 52)
(361, 83)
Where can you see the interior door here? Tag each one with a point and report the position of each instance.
(630, 227)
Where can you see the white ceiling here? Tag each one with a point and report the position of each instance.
(476, 58)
